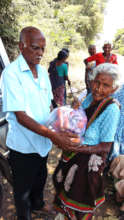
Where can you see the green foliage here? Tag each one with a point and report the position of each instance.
(71, 23)
(119, 41)
(9, 26)
(84, 18)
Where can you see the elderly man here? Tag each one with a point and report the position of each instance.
(26, 99)
(89, 67)
(92, 49)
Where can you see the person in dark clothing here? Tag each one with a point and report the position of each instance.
(58, 70)
(67, 51)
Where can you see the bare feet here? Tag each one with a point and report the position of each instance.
(46, 209)
(122, 207)
(49, 209)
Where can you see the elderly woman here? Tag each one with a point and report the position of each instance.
(78, 178)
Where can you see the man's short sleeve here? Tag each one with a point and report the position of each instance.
(12, 91)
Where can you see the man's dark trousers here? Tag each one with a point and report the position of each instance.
(29, 177)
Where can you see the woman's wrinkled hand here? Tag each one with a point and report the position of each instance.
(77, 149)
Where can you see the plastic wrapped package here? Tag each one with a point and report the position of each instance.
(65, 118)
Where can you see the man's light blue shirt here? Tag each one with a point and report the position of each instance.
(20, 92)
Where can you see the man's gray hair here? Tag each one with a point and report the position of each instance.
(107, 68)
(27, 31)
(107, 42)
(91, 46)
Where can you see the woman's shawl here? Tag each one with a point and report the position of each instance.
(101, 107)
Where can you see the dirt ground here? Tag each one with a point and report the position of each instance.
(109, 211)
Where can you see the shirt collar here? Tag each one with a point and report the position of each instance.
(23, 64)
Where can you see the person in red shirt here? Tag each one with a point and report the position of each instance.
(105, 57)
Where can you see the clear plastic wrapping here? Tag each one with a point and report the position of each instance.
(65, 118)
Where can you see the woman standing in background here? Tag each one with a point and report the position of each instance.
(58, 70)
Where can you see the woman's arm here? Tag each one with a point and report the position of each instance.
(66, 78)
(97, 149)
(66, 74)
(101, 148)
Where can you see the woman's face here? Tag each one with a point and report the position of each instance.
(102, 86)
(62, 61)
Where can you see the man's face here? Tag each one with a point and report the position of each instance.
(92, 51)
(33, 48)
(107, 49)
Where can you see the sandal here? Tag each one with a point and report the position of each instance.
(46, 209)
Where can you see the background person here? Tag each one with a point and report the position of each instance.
(104, 57)
(58, 70)
(92, 49)
(67, 51)
(88, 73)
(78, 178)
(27, 95)
(116, 158)
(117, 171)
(89, 67)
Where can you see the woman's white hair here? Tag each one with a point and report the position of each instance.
(107, 68)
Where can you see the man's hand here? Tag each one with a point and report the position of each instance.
(65, 140)
(75, 103)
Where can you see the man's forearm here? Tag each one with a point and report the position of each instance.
(32, 125)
